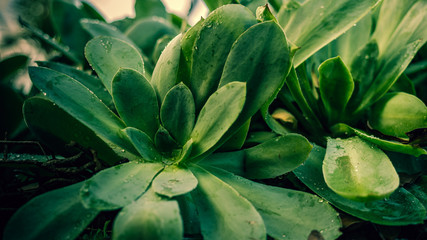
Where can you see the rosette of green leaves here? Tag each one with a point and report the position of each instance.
(206, 86)
(334, 89)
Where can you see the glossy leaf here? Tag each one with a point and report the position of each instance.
(57, 128)
(315, 23)
(165, 74)
(82, 104)
(381, 143)
(174, 181)
(398, 113)
(118, 186)
(94, 84)
(287, 214)
(143, 144)
(401, 208)
(260, 57)
(178, 113)
(237, 219)
(107, 55)
(211, 48)
(336, 87)
(57, 214)
(136, 100)
(276, 157)
(216, 117)
(149, 219)
(358, 170)
(145, 32)
(148, 8)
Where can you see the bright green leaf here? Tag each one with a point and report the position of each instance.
(165, 74)
(178, 113)
(107, 55)
(143, 144)
(401, 208)
(148, 8)
(174, 181)
(224, 213)
(149, 219)
(217, 115)
(358, 170)
(398, 113)
(317, 22)
(212, 46)
(118, 186)
(57, 214)
(287, 214)
(136, 101)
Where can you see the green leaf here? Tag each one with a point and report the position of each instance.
(149, 8)
(82, 104)
(145, 33)
(260, 57)
(217, 116)
(136, 101)
(358, 170)
(165, 73)
(97, 28)
(94, 84)
(11, 65)
(57, 214)
(317, 22)
(149, 219)
(57, 128)
(143, 143)
(381, 143)
(401, 208)
(174, 181)
(419, 190)
(212, 46)
(404, 84)
(178, 113)
(398, 113)
(336, 86)
(118, 186)
(107, 55)
(236, 141)
(237, 219)
(287, 214)
(214, 4)
(276, 157)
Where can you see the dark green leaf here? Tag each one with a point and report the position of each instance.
(145, 32)
(212, 46)
(403, 84)
(178, 113)
(118, 186)
(401, 208)
(136, 101)
(287, 214)
(107, 55)
(10, 66)
(57, 128)
(336, 86)
(58, 214)
(143, 143)
(217, 116)
(164, 141)
(174, 181)
(149, 8)
(82, 104)
(92, 83)
(224, 213)
(358, 170)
